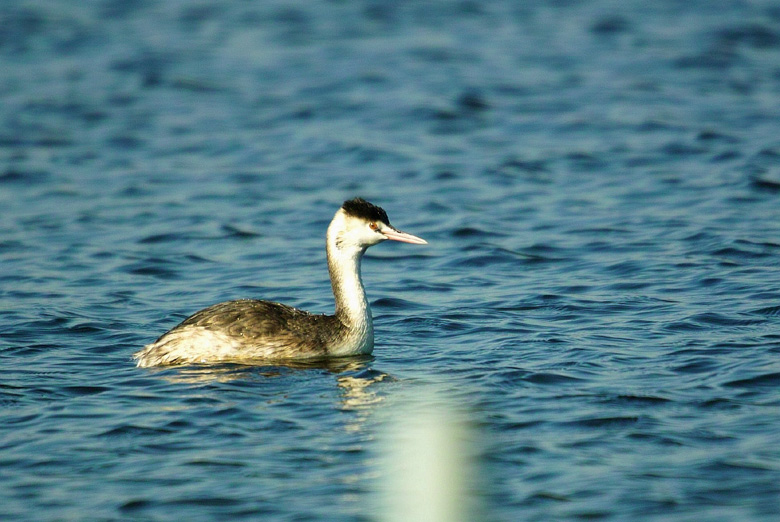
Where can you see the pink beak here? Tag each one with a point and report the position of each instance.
(396, 235)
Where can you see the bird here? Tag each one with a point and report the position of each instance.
(249, 331)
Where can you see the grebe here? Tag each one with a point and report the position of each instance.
(249, 330)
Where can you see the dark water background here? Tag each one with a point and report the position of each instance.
(599, 183)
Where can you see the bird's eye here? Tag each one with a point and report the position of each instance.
(373, 226)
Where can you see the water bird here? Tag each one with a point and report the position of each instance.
(251, 330)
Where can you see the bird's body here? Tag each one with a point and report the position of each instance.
(250, 330)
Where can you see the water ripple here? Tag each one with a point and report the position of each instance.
(599, 293)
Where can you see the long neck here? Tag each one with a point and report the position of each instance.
(351, 303)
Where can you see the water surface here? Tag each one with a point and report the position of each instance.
(599, 184)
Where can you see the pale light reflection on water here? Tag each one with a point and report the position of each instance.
(427, 461)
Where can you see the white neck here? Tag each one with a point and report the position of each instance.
(351, 303)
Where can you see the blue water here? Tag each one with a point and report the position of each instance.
(599, 183)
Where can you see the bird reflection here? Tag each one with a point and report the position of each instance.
(354, 376)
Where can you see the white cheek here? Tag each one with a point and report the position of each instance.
(366, 236)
